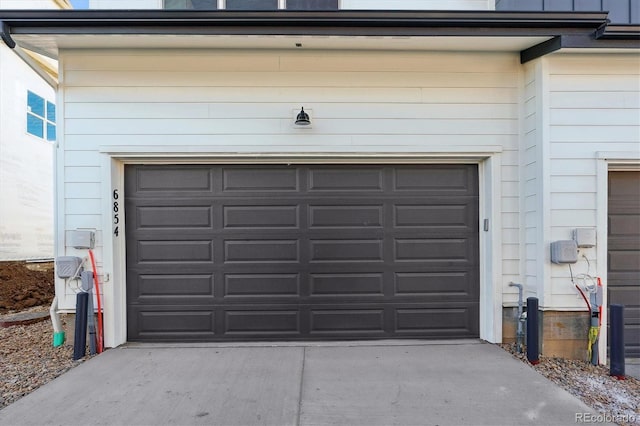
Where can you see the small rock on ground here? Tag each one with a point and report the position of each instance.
(618, 401)
(29, 360)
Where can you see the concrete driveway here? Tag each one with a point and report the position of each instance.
(383, 383)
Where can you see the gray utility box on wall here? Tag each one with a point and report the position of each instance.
(81, 239)
(585, 237)
(565, 251)
(68, 266)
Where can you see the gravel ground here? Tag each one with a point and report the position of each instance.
(29, 361)
(618, 401)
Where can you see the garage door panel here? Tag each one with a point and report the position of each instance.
(262, 322)
(446, 179)
(174, 251)
(242, 286)
(624, 225)
(182, 285)
(169, 324)
(255, 216)
(349, 216)
(243, 179)
(438, 284)
(437, 321)
(347, 284)
(158, 180)
(360, 179)
(433, 249)
(626, 295)
(354, 251)
(303, 252)
(432, 216)
(174, 217)
(624, 260)
(341, 321)
(268, 251)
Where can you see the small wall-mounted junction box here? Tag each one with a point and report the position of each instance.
(585, 237)
(68, 266)
(82, 239)
(565, 251)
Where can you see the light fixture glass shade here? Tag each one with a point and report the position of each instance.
(302, 119)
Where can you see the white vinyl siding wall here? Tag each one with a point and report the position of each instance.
(594, 106)
(245, 102)
(530, 178)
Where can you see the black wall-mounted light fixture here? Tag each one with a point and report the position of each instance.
(302, 119)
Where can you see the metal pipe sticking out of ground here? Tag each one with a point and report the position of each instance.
(521, 318)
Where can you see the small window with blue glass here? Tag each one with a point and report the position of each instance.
(41, 117)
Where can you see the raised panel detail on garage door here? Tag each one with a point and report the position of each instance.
(301, 252)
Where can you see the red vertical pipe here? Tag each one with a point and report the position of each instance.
(95, 279)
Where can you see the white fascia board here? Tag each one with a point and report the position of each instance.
(177, 152)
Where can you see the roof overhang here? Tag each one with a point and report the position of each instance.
(533, 34)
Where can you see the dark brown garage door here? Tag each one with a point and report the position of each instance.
(301, 252)
(624, 253)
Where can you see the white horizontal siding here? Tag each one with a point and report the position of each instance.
(594, 106)
(307, 62)
(586, 150)
(246, 102)
(174, 110)
(594, 99)
(259, 126)
(529, 179)
(82, 174)
(287, 79)
(364, 95)
(604, 133)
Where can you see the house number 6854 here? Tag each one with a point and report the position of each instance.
(116, 210)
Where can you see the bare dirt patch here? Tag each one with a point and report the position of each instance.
(24, 285)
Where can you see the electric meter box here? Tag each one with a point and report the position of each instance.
(565, 251)
(585, 237)
(68, 266)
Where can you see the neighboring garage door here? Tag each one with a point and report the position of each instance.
(624, 253)
(301, 252)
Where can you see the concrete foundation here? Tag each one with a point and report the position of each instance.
(562, 334)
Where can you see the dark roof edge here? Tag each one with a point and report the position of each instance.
(568, 29)
(619, 32)
(368, 18)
